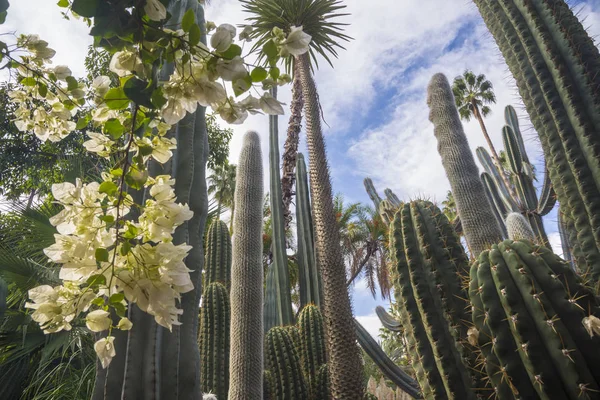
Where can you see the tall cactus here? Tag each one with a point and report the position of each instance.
(309, 277)
(155, 362)
(431, 264)
(246, 361)
(478, 221)
(312, 345)
(281, 281)
(533, 316)
(214, 342)
(345, 368)
(218, 254)
(283, 364)
(372, 192)
(555, 63)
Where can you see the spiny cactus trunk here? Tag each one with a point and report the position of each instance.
(345, 369)
(246, 360)
(283, 364)
(555, 64)
(290, 148)
(518, 227)
(478, 221)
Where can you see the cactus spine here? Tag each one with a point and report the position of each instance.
(246, 360)
(555, 64)
(478, 221)
(214, 343)
(309, 278)
(430, 262)
(530, 311)
(283, 363)
(518, 227)
(312, 345)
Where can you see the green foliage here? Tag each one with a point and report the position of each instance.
(221, 184)
(431, 265)
(535, 323)
(472, 93)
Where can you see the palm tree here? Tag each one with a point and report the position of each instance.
(472, 93)
(222, 187)
(315, 17)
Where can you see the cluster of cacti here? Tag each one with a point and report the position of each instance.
(246, 349)
(215, 312)
(386, 207)
(431, 265)
(534, 319)
(555, 64)
(521, 197)
(283, 364)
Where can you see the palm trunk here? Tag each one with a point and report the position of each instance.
(290, 149)
(345, 367)
(493, 150)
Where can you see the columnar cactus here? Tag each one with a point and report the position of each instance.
(218, 254)
(431, 264)
(246, 360)
(518, 227)
(534, 320)
(281, 281)
(309, 277)
(214, 343)
(322, 390)
(312, 344)
(372, 192)
(478, 221)
(283, 363)
(555, 64)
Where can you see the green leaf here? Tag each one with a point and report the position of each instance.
(136, 178)
(101, 255)
(125, 248)
(242, 85)
(119, 309)
(109, 219)
(3, 15)
(131, 232)
(189, 18)
(83, 122)
(116, 99)
(85, 8)
(42, 89)
(195, 35)
(96, 280)
(231, 52)
(258, 74)
(157, 98)
(116, 172)
(72, 83)
(28, 81)
(274, 72)
(270, 49)
(4, 4)
(116, 298)
(139, 91)
(63, 3)
(108, 187)
(98, 301)
(114, 128)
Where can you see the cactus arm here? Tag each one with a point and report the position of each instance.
(492, 170)
(499, 208)
(392, 198)
(372, 192)
(310, 281)
(282, 278)
(547, 199)
(518, 227)
(475, 212)
(564, 240)
(387, 366)
(522, 181)
(270, 304)
(511, 119)
(387, 320)
(246, 350)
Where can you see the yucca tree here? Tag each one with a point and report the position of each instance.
(317, 19)
(221, 184)
(315, 16)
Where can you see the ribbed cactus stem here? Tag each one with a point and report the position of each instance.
(518, 228)
(312, 344)
(218, 254)
(479, 223)
(246, 361)
(392, 198)
(284, 364)
(372, 192)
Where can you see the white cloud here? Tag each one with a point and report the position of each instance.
(371, 323)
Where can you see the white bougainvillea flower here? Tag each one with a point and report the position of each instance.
(296, 43)
(62, 72)
(98, 321)
(105, 349)
(592, 325)
(270, 105)
(233, 69)
(223, 37)
(124, 63)
(66, 192)
(250, 104)
(103, 114)
(207, 92)
(155, 10)
(231, 112)
(246, 33)
(101, 84)
(124, 324)
(99, 144)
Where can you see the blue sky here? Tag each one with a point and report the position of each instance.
(374, 97)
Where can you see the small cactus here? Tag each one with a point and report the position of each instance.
(518, 227)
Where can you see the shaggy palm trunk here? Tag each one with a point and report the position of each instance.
(290, 149)
(344, 361)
